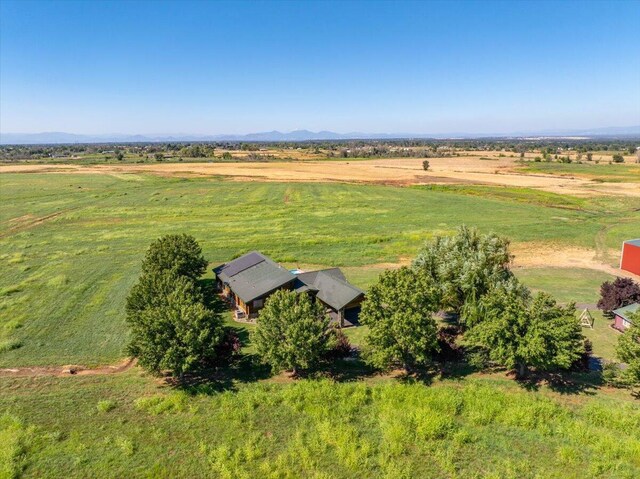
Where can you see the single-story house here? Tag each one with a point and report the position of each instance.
(249, 280)
(630, 258)
(341, 299)
(622, 316)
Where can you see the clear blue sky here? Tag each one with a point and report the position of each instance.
(420, 67)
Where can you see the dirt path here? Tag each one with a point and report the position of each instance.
(69, 370)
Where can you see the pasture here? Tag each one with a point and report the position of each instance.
(127, 426)
(71, 244)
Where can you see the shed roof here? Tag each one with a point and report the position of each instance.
(253, 275)
(626, 311)
(634, 242)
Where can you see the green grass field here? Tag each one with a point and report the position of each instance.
(71, 245)
(602, 171)
(487, 427)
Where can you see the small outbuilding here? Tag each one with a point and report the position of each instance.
(622, 316)
(630, 259)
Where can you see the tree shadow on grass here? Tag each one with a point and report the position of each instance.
(243, 369)
(342, 370)
(564, 382)
(212, 299)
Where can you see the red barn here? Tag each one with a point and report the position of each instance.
(630, 260)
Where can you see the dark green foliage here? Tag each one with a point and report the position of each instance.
(519, 331)
(618, 158)
(425, 165)
(339, 345)
(399, 312)
(291, 332)
(179, 253)
(171, 328)
(465, 266)
(628, 351)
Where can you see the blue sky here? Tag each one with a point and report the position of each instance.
(420, 67)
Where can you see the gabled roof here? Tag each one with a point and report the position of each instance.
(634, 242)
(331, 286)
(253, 275)
(626, 311)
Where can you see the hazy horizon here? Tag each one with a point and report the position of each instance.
(215, 68)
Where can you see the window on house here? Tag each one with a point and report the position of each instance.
(258, 303)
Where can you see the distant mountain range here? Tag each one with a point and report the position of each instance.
(303, 135)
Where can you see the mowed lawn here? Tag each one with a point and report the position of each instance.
(127, 425)
(71, 245)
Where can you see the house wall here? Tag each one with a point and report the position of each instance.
(619, 323)
(630, 258)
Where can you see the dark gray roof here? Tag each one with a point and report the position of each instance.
(253, 275)
(331, 286)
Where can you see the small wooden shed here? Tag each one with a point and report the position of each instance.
(622, 316)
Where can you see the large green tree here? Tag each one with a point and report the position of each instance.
(291, 332)
(465, 266)
(519, 331)
(171, 328)
(180, 253)
(628, 351)
(399, 313)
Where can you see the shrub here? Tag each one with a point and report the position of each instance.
(448, 349)
(425, 165)
(230, 345)
(339, 345)
(618, 158)
(106, 405)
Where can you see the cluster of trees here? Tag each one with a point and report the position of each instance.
(498, 320)
(173, 327)
(420, 148)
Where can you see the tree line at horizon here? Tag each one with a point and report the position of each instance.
(177, 326)
(422, 148)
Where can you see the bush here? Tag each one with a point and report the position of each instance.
(425, 165)
(617, 158)
(230, 345)
(339, 345)
(106, 405)
(448, 349)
